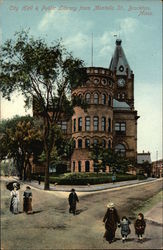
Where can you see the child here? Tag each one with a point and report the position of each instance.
(125, 229)
(140, 226)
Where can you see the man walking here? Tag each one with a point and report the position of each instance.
(73, 198)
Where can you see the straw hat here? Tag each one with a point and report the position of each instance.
(110, 205)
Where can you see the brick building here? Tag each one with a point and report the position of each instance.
(110, 118)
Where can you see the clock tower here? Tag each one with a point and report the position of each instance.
(124, 114)
(123, 75)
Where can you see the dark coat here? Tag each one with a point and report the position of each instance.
(73, 198)
(125, 229)
(111, 219)
(140, 226)
(27, 201)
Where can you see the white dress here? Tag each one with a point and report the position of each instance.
(14, 202)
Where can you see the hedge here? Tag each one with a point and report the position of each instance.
(81, 179)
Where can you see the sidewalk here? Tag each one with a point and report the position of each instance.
(154, 215)
(91, 188)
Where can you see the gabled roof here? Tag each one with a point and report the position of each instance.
(120, 105)
(119, 61)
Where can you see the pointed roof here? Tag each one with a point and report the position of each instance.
(119, 61)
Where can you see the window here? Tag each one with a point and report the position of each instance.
(109, 125)
(119, 96)
(103, 124)
(109, 144)
(104, 143)
(88, 98)
(63, 126)
(95, 123)
(80, 124)
(74, 125)
(120, 149)
(73, 166)
(87, 166)
(103, 99)
(123, 95)
(95, 142)
(109, 100)
(79, 166)
(120, 128)
(96, 98)
(74, 144)
(87, 143)
(87, 123)
(80, 143)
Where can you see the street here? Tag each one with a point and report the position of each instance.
(52, 227)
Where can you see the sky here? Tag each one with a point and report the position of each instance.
(138, 23)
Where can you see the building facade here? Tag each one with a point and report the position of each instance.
(111, 118)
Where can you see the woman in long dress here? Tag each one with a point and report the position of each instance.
(27, 201)
(111, 219)
(14, 201)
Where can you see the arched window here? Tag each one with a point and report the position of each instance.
(109, 125)
(103, 124)
(88, 98)
(120, 149)
(87, 123)
(95, 123)
(95, 142)
(87, 143)
(109, 100)
(119, 96)
(79, 166)
(96, 98)
(80, 124)
(109, 144)
(73, 166)
(123, 95)
(87, 166)
(104, 143)
(74, 125)
(74, 144)
(79, 143)
(103, 99)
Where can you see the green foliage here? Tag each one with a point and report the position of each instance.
(85, 178)
(45, 75)
(20, 139)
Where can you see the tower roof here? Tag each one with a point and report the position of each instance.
(119, 61)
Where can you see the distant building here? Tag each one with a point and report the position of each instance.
(157, 168)
(144, 163)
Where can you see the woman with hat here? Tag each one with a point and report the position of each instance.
(27, 200)
(73, 198)
(14, 200)
(111, 219)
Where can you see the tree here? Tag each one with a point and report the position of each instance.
(45, 74)
(20, 140)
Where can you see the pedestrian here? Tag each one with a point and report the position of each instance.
(125, 229)
(39, 179)
(111, 219)
(140, 226)
(73, 198)
(113, 178)
(27, 200)
(14, 200)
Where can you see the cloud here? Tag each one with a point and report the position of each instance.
(128, 25)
